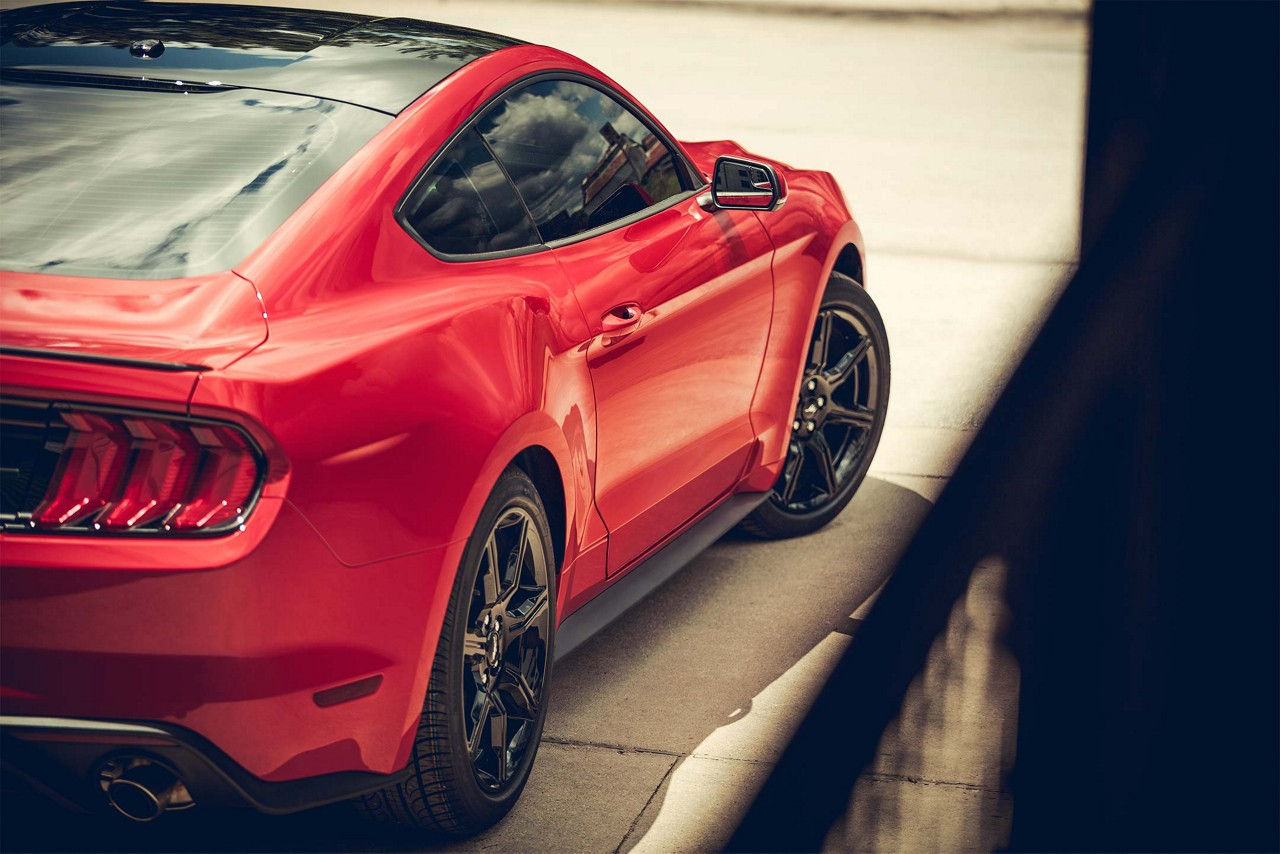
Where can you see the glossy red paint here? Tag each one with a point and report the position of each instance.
(390, 389)
(673, 389)
(808, 233)
(235, 653)
(207, 321)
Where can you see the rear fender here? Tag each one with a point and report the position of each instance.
(536, 429)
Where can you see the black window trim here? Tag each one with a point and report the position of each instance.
(691, 173)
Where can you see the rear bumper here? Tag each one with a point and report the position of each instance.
(229, 661)
(61, 757)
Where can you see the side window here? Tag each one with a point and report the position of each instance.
(578, 157)
(465, 205)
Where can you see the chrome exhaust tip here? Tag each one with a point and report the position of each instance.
(142, 789)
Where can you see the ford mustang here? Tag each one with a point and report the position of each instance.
(353, 370)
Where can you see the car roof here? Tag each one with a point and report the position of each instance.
(384, 64)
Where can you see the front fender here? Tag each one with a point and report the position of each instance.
(809, 233)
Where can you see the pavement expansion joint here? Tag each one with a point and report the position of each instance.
(914, 474)
(716, 757)
(600, 745)
(635, 822)
(926, 781)
(674, 754)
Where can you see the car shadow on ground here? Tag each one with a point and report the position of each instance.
(657, 684)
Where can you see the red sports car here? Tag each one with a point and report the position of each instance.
(356, 368)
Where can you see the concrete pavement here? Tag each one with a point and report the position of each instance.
(959, 145)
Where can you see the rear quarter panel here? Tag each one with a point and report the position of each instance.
(392, 376)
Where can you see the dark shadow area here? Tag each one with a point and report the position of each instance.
(1127, 476)
(688, 659)
(937, 781)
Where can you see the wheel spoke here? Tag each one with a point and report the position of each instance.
(821, 341)
(474, 644)
(473, 743)
(498, 740)
(791, 473)
(825, 460)
(534, 617)
(521, 692)
(844, 368)
(518, 557)
(856, 415)
(490, 577)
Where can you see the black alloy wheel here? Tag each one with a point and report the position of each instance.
(835, 414)
(505, 649)
(487, 695)
(836, 426)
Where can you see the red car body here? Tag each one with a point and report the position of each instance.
(388, 390)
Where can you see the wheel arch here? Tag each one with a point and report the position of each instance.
(845, 254)
(541, 448)
(540, 465)
(849, 262)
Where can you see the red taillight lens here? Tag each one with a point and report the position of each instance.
(227, 476)
(93, 459)
(159, 479)
(121, 472)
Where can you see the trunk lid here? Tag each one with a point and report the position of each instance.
(198, 323)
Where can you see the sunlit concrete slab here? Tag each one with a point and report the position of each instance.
(928, 488)
(761, 730)
(910, 450)
(707, 793)
(957, 328)
(698, 806)
(578, 799)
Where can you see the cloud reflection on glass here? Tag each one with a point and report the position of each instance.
(108, 182)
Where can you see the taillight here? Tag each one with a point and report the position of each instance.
(145, 473)
(94, 456)
(163, 468)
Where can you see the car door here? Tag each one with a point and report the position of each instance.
(678, 300)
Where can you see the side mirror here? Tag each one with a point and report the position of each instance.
(744, 185)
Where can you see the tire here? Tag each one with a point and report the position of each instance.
(844, 397)
(498, 627)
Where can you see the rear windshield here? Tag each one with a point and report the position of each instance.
(146, 184)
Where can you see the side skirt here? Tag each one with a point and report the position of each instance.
(639, 582)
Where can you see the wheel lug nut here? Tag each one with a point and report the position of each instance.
(822, 401)
(795, 425)
(810, 426)
(812, 385)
